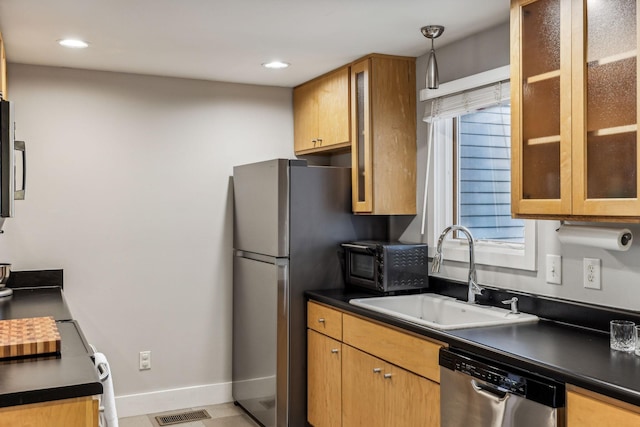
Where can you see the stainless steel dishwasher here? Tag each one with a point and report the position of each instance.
(482, 393)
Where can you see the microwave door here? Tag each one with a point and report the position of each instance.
(361, 266)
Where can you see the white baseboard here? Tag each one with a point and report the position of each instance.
(168, 400)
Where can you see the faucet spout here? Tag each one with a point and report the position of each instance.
(474, 288)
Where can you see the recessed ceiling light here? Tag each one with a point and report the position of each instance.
(275, 64)
(73, 43)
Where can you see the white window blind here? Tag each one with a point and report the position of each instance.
(461, 103)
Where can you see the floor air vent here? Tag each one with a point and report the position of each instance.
(184, 417)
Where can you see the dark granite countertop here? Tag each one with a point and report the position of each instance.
(35, 302)
(41, 379)
(570, 354)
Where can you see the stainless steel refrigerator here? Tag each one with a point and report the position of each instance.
(289, 219)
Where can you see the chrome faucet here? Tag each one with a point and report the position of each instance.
(474, 289)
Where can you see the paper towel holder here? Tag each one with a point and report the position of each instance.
(624, 237)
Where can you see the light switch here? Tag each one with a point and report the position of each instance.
(554, 269)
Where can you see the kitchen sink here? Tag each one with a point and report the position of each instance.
(442, 312)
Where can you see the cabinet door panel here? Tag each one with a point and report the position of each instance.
(305, 116)
(605, 119)
(362, 389)
(586, 411)
(80, 411)
(333, 109)
(412, 401)
(541, 107)
(324, 390)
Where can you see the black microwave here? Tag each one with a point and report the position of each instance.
(386, 266)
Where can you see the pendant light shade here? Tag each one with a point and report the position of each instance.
(432, 71)
(432, 32)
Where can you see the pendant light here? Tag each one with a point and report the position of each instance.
(432, 32)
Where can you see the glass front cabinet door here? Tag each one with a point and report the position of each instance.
(383, 141)
(574, 109)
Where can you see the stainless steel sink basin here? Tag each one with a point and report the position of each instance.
(441, 312)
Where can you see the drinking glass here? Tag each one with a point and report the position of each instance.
(623, 335)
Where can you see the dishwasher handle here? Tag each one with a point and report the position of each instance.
(489, 391)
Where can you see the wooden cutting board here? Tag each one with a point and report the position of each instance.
(28, 337)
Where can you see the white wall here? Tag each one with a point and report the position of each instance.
(620, 270)
(128, 192)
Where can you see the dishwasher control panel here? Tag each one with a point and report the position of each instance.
(504, 378)
(505, 381)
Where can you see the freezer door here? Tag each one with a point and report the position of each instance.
(261, 207)
(259, 330)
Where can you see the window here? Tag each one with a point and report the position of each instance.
(483, 174)
(471, 182)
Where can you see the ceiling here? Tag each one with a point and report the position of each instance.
(228, 40)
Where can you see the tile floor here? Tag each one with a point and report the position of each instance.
(223, 415)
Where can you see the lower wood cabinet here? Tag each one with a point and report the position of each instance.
(373, 375)
(77, 412)
(324, 384)
(589, 409)
(377, 393)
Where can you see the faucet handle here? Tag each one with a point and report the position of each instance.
(475, 288)
(514, 304)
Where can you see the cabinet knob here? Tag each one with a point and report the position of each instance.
(376, 370)
(321, 320)
(320, 141)
(387, 376)
(334, 350)
(314, 142)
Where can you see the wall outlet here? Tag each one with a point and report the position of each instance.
(591, 273)
(554, 269)
(145, 360)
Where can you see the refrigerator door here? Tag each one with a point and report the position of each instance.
(259, 307)
(289, 221)
(261, 207)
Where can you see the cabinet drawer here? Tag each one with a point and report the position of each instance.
(325, 320)
(407, 351)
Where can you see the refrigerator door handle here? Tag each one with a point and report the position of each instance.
(284, 342)
(258, 257)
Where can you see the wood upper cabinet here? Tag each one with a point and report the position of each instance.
(588, 409)
(383, 151)
(574, 110)
(321, 120)
(3, 70)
